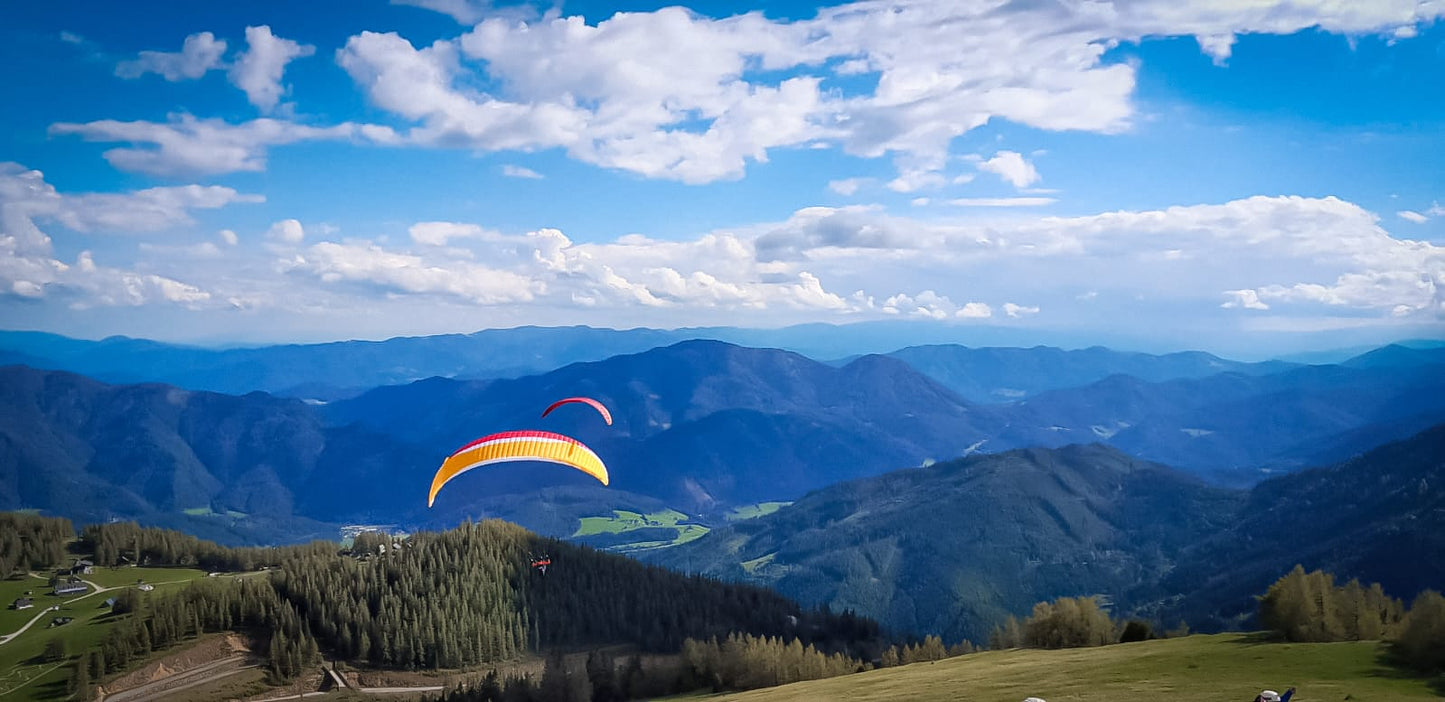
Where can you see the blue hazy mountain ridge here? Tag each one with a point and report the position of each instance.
(242, 469)
(704, 423)
(1398, 355)
(328, 371)
(701, 426)
(923, 549)
(1004, 374)
(1379, 517)
(1232, 426)
(76, 447)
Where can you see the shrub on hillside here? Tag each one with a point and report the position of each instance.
(1136, 630)
(1069, 622)
(1421, 642)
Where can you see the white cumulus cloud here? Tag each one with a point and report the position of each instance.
(846, 186)
(464, 11)
(440, 233)
(514, 171)
(30, 269)
(258, 71)
(201, 52)
(287, 231)
(188, 145)
(1014, 310)
(1012, 167)
(1001, 201)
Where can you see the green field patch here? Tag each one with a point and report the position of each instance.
(623, 520)
(752, 566)
(690, 532)
(640, 546)
(620, 522)
(208, 512)
(14, 589)
(1189, 669)
(668, 522)
(22, 675)
(761, 509)
(128, 575)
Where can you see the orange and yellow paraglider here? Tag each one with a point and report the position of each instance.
(518, 446)
(606, 416)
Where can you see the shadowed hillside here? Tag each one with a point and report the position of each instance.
(955, 547)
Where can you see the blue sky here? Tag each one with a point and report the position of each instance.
(1243, 177)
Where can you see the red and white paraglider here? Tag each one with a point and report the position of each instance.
(606, 416)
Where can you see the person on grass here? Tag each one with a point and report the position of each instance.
(1272, 696)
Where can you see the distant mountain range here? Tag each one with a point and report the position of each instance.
(955, 547)
(1009, 374)
(701, 426)
(1236, 428)
(703, 423)
(330, 371)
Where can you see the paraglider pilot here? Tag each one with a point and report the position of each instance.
(1272, 696)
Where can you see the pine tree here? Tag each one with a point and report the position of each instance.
(602, 674)
(95, 665)
(55, 650)
(79, 684)
(555, 684)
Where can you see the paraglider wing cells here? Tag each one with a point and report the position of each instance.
(518, 446)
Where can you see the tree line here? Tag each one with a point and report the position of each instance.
(471, 596)
(464, 597)
(31, 542)
(127, 543)
(739, 661)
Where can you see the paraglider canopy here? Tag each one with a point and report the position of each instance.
(518, 446)
(606, 416)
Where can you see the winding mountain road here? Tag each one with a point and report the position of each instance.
(7, 637)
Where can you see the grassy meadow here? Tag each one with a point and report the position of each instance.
(624, 522)
(761, 509)
(1200, 668)
(23, 676)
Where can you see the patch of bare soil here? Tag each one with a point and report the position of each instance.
(207, 650)
(395, 678)
(303, 684)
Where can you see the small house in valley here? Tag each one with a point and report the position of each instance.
(71, 587)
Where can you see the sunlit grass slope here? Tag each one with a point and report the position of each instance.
(23, 675)
(1190, 669)
(669, 524)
